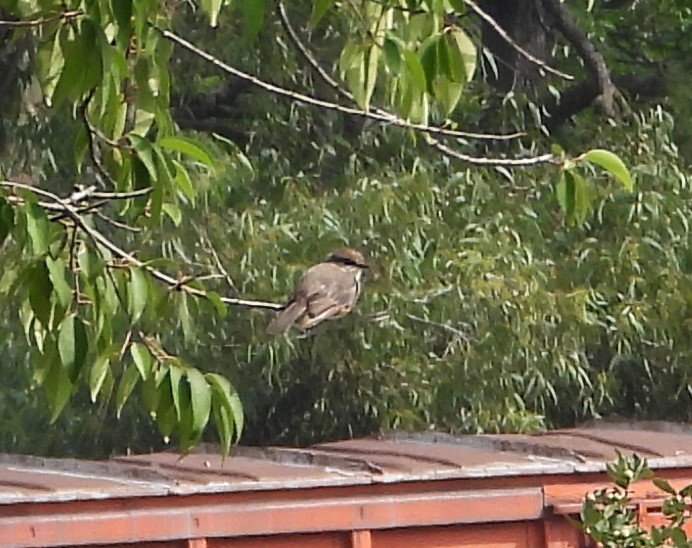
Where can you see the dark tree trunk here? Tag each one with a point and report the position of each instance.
(525, 22)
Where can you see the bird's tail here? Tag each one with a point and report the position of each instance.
(286, 318)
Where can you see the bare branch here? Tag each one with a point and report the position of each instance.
(445, 327)
(117, 224)
(375, 115)
(79, 196)
(64, 15)
(121, 195)
(104, 242)
(444, 149)
(503, 33)
(593, 60)
(219, 265)
(91, 132)
(307, 55)
(488, 161)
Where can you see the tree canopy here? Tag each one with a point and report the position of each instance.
(167, 169)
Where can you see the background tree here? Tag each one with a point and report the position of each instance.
(517, 285)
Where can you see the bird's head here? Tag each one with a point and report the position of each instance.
(349, 257)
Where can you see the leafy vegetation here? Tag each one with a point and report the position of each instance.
(158, 201)
(609, 517)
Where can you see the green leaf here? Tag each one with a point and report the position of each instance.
(319, 9)
(416, 72)
(182, 179)
(447, 93)
(429, 61)
(122, 11)
(663, 485)
(373, 56)
(678, 536)
(150, 395)
(145, 152)
(47, 357)
(56, 271)
(73, 345)
(188, 147)
(138, 293)
(461, 52)
(200, 397)
(142, 359)
(99, 370)
(40, 288)
(253, 15)
(6, 219)
(50, 62)
(392, 55)
(58, 389)
(166, 419)
(37, 226)
(355, 75)
(156, 205)
(173, 212)
(219, 305)
(69, 83)
(351, 56)
(184, 317)
(129, 379)
(212, 8)
(226, 396)
(582, 196)
(611, 163)
(565, 193)
(176, 374)
(223, 420)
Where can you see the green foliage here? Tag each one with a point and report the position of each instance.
(609, 517)
(501, 300)
(417, 59)
(86, 317)
(482, 314)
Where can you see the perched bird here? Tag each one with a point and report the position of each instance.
(326, 290)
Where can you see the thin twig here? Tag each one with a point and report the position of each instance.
(104, 242)
(503, 33)
(220, 266)
(336, 86)
(444, 149)
(117, 224)
(126, 342)
(453, 330)
(89, 192)
(377, 116)
(91, 132)
(64, 15)
(121, 195)
(491, 162)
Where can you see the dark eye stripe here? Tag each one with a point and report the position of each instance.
(350, 262)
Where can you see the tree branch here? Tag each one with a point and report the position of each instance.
(63, 15)
(593, 60)
(491, 162)
(375, 115)
(100, 240)
(503, 34)
(444, 149)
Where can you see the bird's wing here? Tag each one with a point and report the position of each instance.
(331, 295)
(288, 316)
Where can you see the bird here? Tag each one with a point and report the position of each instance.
(329, 289)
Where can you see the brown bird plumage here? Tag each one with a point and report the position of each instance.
(326, 290)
